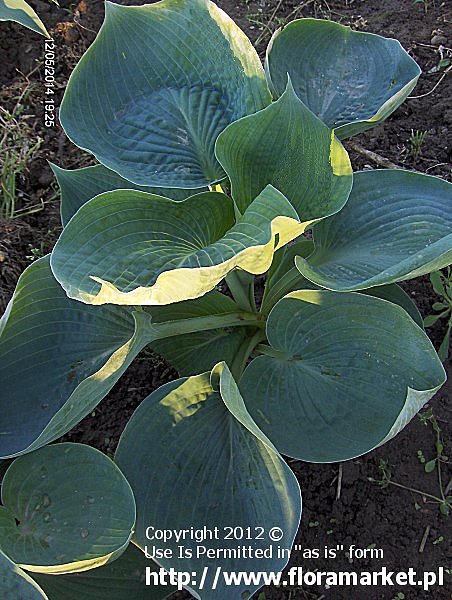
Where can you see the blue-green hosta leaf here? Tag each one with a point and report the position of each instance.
(395, 294)
(352, 370)
(80, 185)
(217, 467)
(15, 584)
(66, 508)
(157, 86)
(349, 79)
(287, 278)
(122, 579)
(287, 146)
(396, 225)
(199, 352)
(21, 12)
(58, 359)
(130, 247)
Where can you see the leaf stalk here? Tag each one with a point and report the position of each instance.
(167, 329)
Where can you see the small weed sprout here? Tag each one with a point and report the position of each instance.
(442, 285)
(18, 145)
(416, 140)
(444, 500)
(36, 251)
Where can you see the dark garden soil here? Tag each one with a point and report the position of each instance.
(343, 504)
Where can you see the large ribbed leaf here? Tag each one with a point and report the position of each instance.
(66, 508)
(15, 584)
(396, 225)
(395, 294)
(21, 12)
(122, 579)
(80, 185)
(216, 468)
(349, 79)
(287, 146)
(157, 86)
(130, 247)
(283, 277)
(58, 359)
(352, 370)
(199, 352)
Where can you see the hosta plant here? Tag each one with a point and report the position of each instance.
(211, 168)
(21, 12)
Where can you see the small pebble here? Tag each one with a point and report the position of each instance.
(438, 40)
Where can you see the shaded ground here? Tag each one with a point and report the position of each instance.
(358, 510)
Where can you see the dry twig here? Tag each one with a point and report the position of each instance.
(339, 482)
(433, 88)
(424, 539)
(373, 156)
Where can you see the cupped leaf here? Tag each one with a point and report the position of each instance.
(122, 579)
(395, 294)
(129, 247)
(21, 12)
(15, 584)
(287, 146)
(396, 225)
(351, 80)
(80, 185)
(352, 370)
(199, 352)
(217, 467)
(58, 359)
(285, 277)
(66, 508)
(157, 86)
